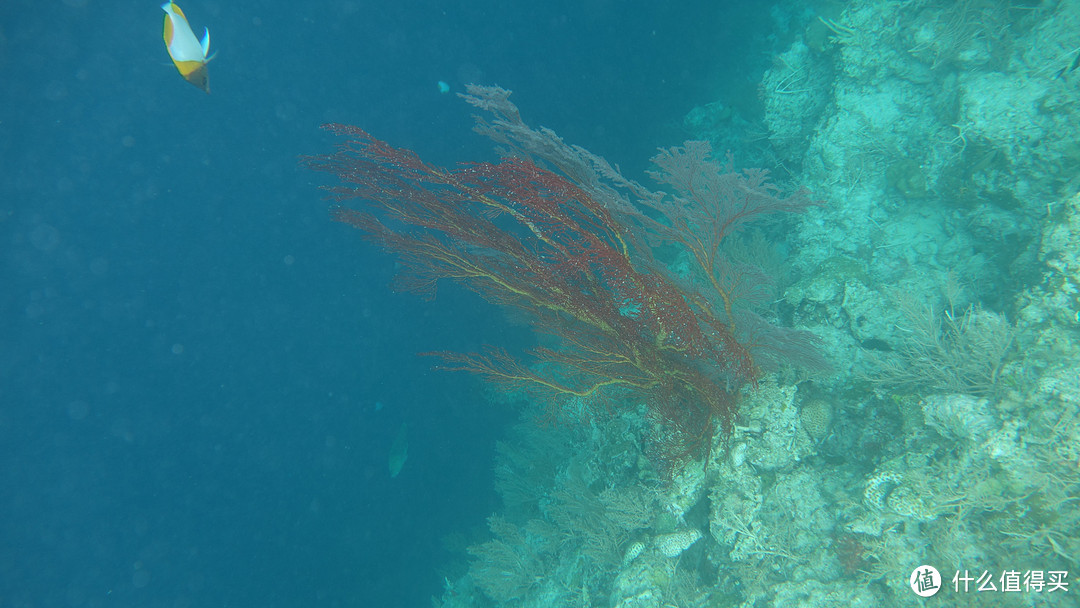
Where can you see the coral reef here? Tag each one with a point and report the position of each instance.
(944, 273)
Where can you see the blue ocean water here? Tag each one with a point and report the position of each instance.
(201, 375)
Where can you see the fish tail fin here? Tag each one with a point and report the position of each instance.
(205, 43)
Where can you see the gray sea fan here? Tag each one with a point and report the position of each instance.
(948, 351)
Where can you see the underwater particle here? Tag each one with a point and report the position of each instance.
(673, 545)
(44, 237)
(399, 452)
(78, 410)
(444, 87)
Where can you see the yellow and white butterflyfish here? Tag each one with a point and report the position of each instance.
(189, 54)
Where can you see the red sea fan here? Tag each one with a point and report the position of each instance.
(572, 250)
